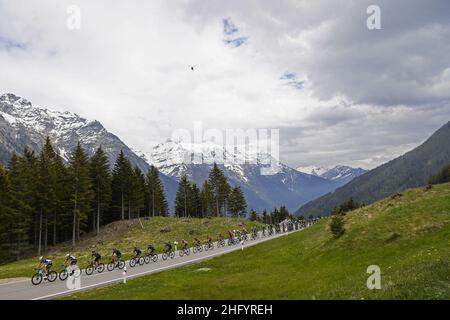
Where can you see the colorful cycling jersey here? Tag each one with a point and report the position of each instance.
(117, 253)
(46, 262)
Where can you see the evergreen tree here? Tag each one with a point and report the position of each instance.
(207, 199)
(236, 202)
(46, 193)
(253, 215)
(195, 201)
(19, 226)
(156, 200)
(80, 191)
(137, 193)
(121, 181)
(264, 217)
(7, 216)
(183, 197)
(219, 188)
(101, 185)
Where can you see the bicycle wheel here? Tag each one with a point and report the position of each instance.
(121, 264)
(194, 249)
(172, 255)
(164, 256)
(181, 252)
(100, 267)
(111, 266)
(155, 258)
(147, 259)
(141, 261)
(132, 262)
(200, 248)
(89, 270)
(36, 279)
(63, 275)
(52, 276)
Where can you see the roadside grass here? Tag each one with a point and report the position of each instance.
(408, 237)
(125, 235)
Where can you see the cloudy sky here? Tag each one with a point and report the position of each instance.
(339, 92)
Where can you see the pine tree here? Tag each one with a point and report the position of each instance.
(195, 202)
(236, 202)
(253, 215)
(46, 193)
(101, 185)
(7, 216)
(219, 187)
(80, 191)
(137, 192)
(156, 200)
(206, 200)
(183, 197)
(20, 227)
(121, 182)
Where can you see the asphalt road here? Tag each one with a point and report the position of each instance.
(25, 290)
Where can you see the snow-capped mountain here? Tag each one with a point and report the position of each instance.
(242, 168)
(25, 125)
(316, 171)
(340, 173)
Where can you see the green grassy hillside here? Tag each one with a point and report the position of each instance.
(127, 234)
(408, 237)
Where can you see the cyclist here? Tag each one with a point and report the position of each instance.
(151, 250)
(137, 252)
(95, 257)
(116, 255)
(184, 244)
(196, 242)
(168, 247)
(45, 264)
(208, 239)
(70, 260)
(230, 235)
(220, 237)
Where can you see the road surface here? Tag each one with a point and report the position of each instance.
(25, 290)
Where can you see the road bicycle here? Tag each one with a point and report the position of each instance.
(115, 264)
(184, 251)
(168, 254)
(40, 275)
(93, 266)
(136, 260)
(72, 270)
(197, 248)
(209, 246)
(151, 257)
(221, 243)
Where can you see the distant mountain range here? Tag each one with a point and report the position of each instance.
(410, 170)
(25, 125)
(341, 174)
(288, 187)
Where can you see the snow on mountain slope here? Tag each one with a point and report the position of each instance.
(25, 125)
(316, 171)
(340, 174)
(343, 173)
(286, 187)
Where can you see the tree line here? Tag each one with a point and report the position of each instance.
(44, 201)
